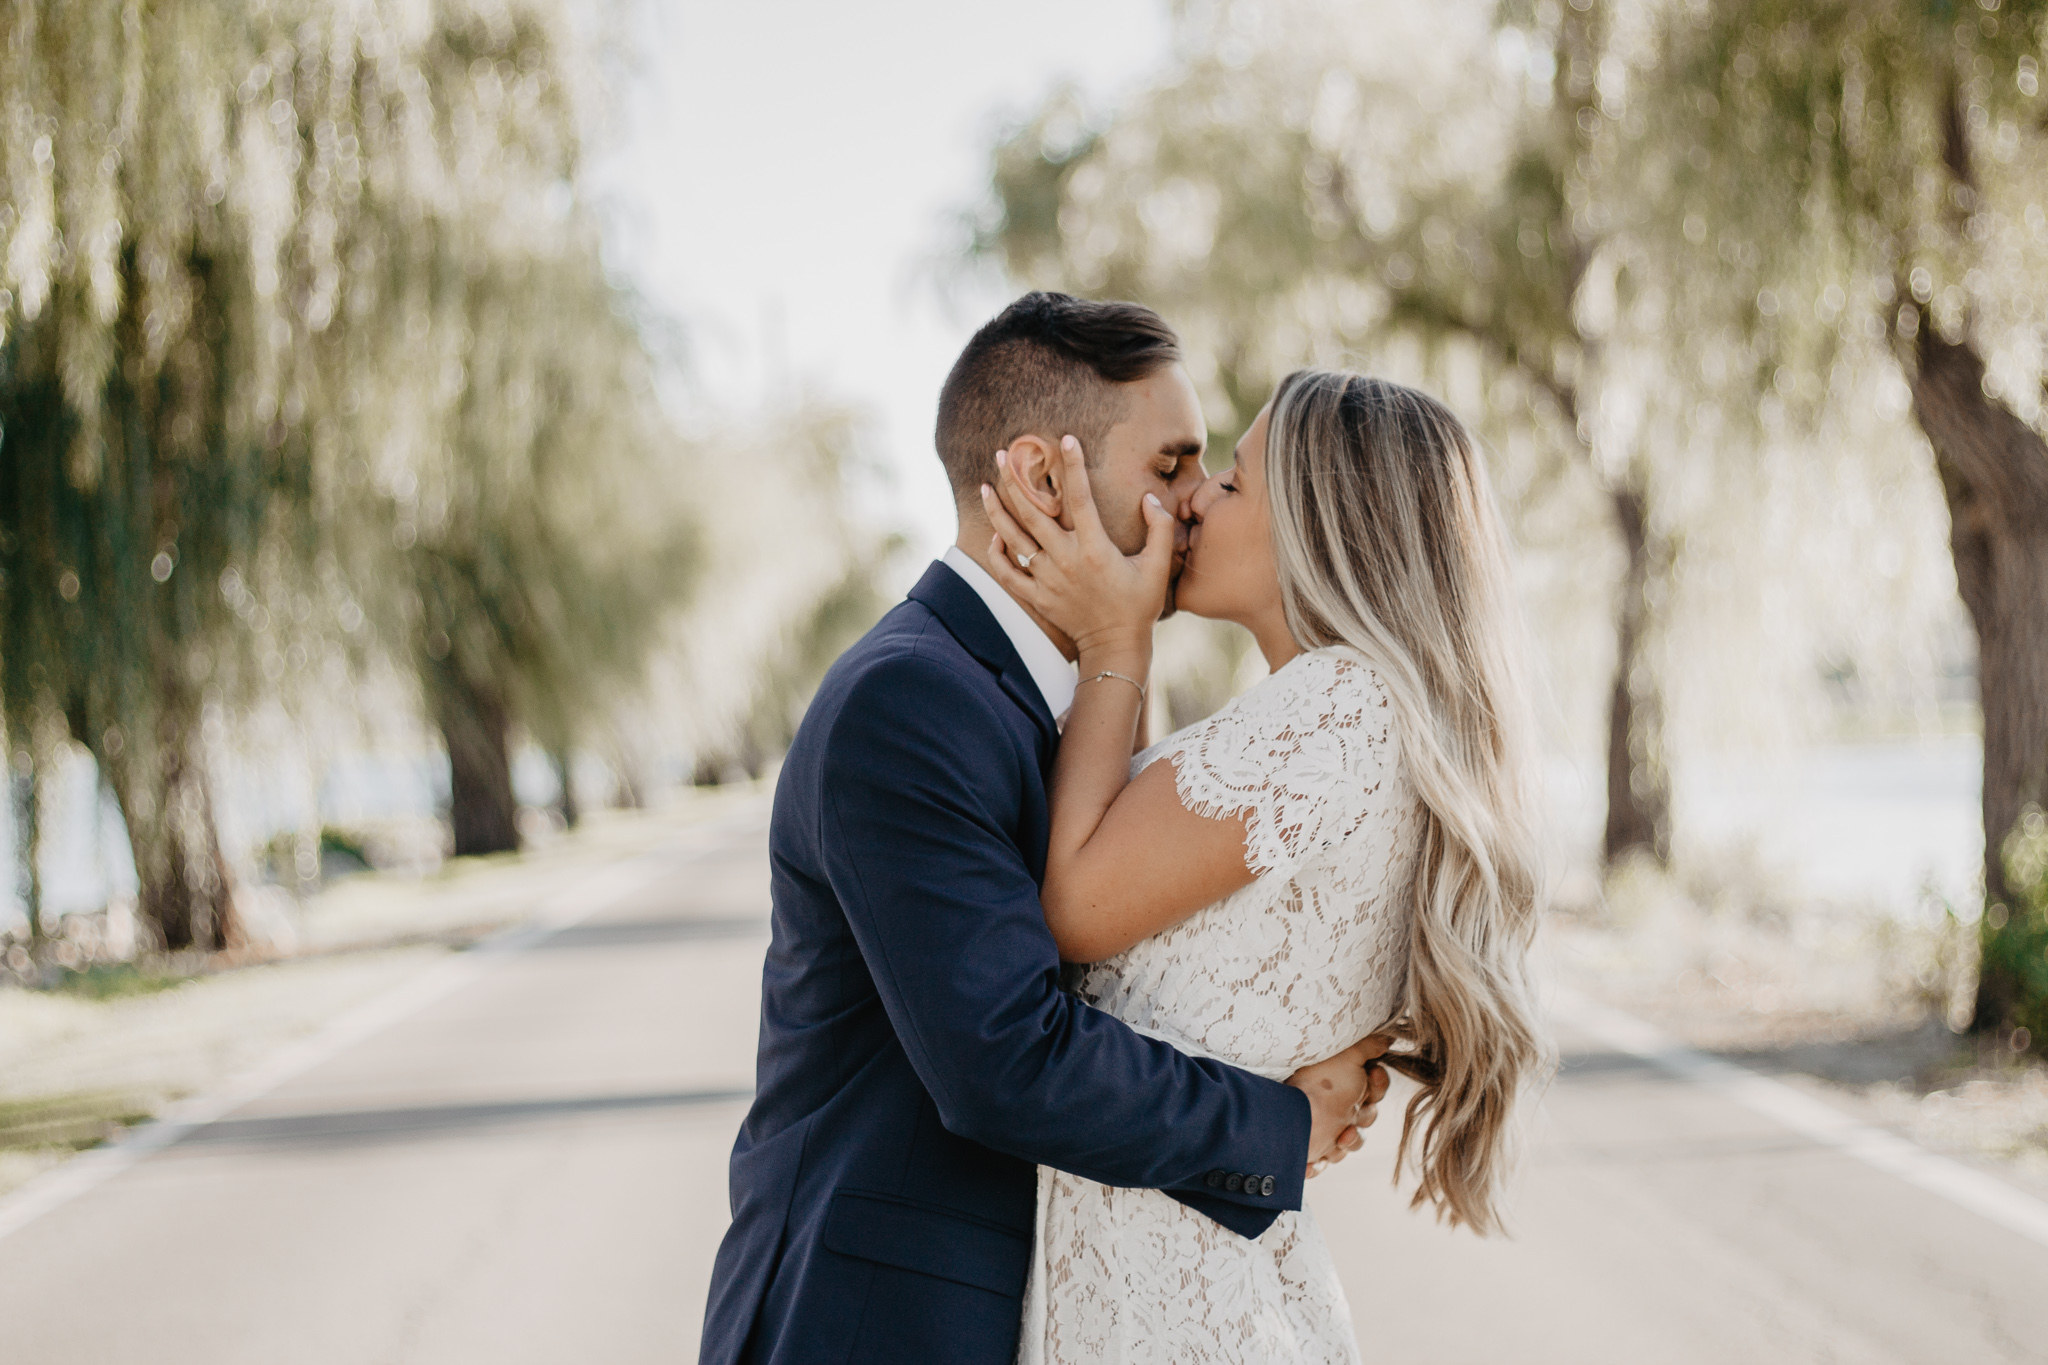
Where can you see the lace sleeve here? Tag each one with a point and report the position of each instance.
(1303, 757)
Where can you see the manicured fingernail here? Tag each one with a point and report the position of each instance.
(986, 492)
(1153, 498)
(1068, 443)
(1003, 457)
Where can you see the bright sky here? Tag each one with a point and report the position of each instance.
(797, 165)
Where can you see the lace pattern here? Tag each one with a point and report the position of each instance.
(1298, 964)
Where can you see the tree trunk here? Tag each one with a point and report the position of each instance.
(1638, 779)
(1994, 470)
(476, 726)
(185, 890)
(565, 778)
(27, 839)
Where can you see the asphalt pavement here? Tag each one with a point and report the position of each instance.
(527, 1164)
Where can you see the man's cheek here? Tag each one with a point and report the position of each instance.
(1128, 530)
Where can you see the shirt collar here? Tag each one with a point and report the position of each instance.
(1050, 669)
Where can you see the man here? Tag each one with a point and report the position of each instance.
(917, 1057)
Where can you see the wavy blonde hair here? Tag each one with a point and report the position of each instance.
(1388, 540)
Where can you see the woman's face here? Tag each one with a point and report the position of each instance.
(1230, 573)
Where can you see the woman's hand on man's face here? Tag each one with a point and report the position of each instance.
(1079, 580)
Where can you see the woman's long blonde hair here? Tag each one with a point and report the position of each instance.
(1388, 540)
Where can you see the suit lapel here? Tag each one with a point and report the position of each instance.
(963, 613)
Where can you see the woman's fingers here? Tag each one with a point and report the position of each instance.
(1012, 579)
(1015, 540)
(1157, 556)
(1079, 505)
(1021, 502)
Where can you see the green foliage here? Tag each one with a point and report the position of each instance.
(116, 981)
(504, 470)
(545, 534)
(344, 844)
(1822, 179)
(307, 355)
(1857, 174)
(2015, 936)
(77, 1121)
(149, 246)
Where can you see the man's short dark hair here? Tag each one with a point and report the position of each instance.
(1048, 365)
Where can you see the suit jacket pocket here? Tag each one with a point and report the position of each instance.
(929, 1240)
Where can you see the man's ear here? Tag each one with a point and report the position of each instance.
(1042, 472)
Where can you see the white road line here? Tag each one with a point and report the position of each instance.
(559, 911)
(1985, 1195)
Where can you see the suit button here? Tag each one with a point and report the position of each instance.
(1214, 1179)
(1266, 1186)
(1234, 1183)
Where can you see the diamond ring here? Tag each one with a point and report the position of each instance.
(1024, 561)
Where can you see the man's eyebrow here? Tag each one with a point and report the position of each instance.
(1181, 450)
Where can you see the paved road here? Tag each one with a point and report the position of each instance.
(532, 1169)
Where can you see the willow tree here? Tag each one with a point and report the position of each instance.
(280, 285)
(1856, 171)
(514, 486)
(154, 217)
(545, 540)
(1316, 181)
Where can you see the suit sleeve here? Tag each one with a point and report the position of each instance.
(922, 791)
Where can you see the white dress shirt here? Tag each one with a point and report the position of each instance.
(1057, 678)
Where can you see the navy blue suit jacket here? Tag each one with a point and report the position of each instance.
(917, 1056)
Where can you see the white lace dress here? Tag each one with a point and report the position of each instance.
(1297, 965)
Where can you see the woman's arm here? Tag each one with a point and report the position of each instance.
(1148, 863)
(1125, 858)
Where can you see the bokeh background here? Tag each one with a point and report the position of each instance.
(435, 432)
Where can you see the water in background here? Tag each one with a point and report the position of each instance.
(1874, 824)
(85, 859)
(1871, 824)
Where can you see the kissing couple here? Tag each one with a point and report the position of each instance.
(960, 1150)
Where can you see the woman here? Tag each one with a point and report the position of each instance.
(1345, 848)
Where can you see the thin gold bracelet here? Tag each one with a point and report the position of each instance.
(1121, 677)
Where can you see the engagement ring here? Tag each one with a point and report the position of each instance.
(1024, 561)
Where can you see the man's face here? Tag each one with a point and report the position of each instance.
(1157, 448)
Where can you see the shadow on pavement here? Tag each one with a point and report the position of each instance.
(369, 1126)
(634, 933)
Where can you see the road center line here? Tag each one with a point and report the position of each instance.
(1987, 1196)
(557, 912)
